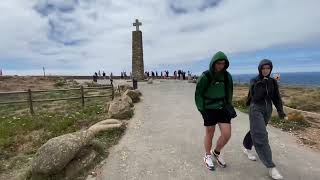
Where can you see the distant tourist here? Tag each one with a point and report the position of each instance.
(111, 78)
(95, 77)
(263, 91)
(213, 93)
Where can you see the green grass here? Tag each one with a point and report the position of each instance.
(304, 99)
(60, 83)
(241, 105)
(54, 118)
(290, 125)
(17, 132)
(22, 134)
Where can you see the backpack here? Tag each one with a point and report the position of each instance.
(226, 83)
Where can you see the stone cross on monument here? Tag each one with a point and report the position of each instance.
(137, 24)
(137, 53)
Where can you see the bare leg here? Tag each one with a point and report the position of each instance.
(208, 138)
(225, 129)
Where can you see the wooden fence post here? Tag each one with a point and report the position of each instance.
(112, 91)
(82, 96)
(30, 101)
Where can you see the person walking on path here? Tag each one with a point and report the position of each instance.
(263, 91)
(213, 91)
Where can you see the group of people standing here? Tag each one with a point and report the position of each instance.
(178, 74)
(152, 74)
(214, 91)
(96, 76)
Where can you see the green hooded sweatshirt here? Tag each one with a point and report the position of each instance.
(210, 95)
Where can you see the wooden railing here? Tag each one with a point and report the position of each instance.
(30, 99)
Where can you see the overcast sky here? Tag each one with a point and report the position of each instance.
(79, 37)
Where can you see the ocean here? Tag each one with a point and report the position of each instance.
(311, 79)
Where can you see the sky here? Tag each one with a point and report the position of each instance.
(80, 37)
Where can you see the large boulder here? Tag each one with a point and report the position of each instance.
(125, 87)
(54, 155)
(83, 159)
(133, 94)
(104, 125)
(126, 98)
(58, 152)
(138, 92)
(150, 81)
(120, 110)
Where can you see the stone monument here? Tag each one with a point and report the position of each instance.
(137, 53)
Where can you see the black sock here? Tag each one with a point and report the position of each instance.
(216, 152)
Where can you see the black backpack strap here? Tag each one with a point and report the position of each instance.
(226, 86)
(209, 77)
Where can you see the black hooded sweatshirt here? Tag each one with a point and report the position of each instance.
(263, 92)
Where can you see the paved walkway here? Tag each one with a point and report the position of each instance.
(164, 141)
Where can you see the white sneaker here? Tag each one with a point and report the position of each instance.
(249, 154)
(219, 159)
(274, 174)
(208, 162)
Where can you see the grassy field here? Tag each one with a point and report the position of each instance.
(302, 98)
(22, 134)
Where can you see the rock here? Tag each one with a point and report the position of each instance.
(23, 174)
(120, 110)
(125, 87)
(104, 125)
(150, 81)
(133, 94)
(138, 92)
(84, 158)
(54, 155)
(126, 98)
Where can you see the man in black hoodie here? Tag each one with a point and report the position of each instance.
(263, 92)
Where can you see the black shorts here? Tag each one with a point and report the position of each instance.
(212, 117)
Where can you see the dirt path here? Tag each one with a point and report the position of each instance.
(164, 141)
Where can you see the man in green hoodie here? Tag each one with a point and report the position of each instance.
(213, 91)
